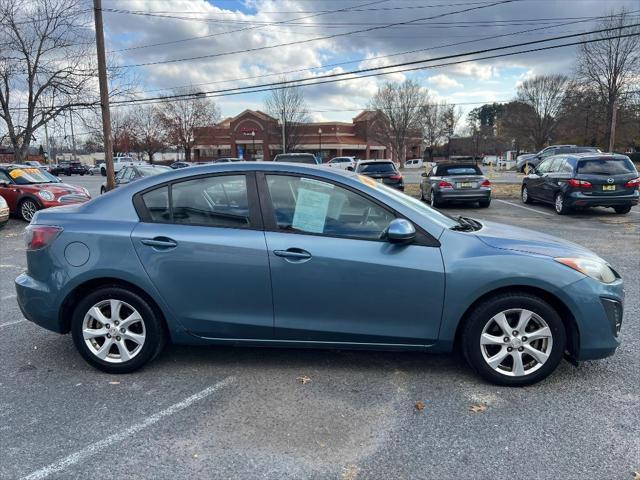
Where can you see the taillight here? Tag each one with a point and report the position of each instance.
(396, 177)
(579, 183)
(39, 236)
(486, 183)
(444, 184)
(635, 183)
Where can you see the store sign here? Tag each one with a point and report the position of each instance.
(248, 131)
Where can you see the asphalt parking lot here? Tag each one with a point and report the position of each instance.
(244, 413)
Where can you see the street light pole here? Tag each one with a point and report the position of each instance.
(253, 144)
(320, 143)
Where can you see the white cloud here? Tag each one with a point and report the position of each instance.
(443, 81)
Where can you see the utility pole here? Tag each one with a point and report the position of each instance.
(104, 94)
(284, 150)
(73, 138)
(612, 137)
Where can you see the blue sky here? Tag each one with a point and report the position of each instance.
(467, 84)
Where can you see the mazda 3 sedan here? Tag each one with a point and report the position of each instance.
(267, 254)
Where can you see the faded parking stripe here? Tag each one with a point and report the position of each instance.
(522, 206)
(15, 322)
(118, 437)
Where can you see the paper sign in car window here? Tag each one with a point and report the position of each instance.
(16, 173)
(311, 211)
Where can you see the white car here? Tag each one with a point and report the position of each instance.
(414, 163)
(119, 162)
(490, 160)
(345, 163)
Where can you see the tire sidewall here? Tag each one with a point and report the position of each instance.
(38, 207)
(155, 334)
(479, 318)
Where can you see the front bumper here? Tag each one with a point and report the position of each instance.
(579, 199)
(597, 310)
(38, 304)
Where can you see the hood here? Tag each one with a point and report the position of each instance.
(507, 237)
(525, 156)
(61, 188)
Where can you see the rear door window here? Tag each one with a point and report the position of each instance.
(605, 166)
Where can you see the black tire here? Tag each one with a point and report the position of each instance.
(559, 204)
(26, 206)
(422, 197)
(434, 200)
(154, 326)
(484, 203)
(623, 209)
(103, 171)
(102, 191)
(474, 324)
(524, 195)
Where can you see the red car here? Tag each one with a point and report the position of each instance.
(29, 189)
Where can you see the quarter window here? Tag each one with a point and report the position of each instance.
(312, 206)
(219, 201)
(157, 204)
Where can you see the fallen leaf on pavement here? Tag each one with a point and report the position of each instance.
(477, 408)
(303, 379)
(636, 475)
(420, 405)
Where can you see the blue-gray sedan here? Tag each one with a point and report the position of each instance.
(274, 254)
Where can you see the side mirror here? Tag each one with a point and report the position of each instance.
(4, 184)
(350, 169)
(424, 174)
(400, 231)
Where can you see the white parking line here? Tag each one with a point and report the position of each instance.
(12, 323)
(117, 437)
(522, 206)
(8, 297)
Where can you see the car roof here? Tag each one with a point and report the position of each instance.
(594, 155)
(381, 160)
(296, 153)
(457, 164)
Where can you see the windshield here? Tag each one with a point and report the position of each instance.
(420, 207)
(153, 170)
(377, 167)
(462, 170)
(52, 178)
(605, 166)
(27, 176)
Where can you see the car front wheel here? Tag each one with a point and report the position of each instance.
(514, 339)
(116, 330)
(525, 195)
(28, 209)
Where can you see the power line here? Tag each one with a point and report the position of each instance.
(329, 65)
(402, 64)
(298, 42)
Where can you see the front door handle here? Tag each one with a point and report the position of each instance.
(161, 243)
(293, 254)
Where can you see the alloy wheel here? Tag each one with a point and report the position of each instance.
(559, 204)
(28, 209)
(113, 331)
(525, 194)
(516, 342)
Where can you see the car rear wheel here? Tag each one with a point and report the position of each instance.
(116, 330)
(484, 203)
(514, 339)
(433, 199)
(28, 209)
(622, 209)
(560, 205)
(525, 195)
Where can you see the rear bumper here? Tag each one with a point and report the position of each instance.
(38, 304)
(580, 199)
(4, 216)
(470, 195)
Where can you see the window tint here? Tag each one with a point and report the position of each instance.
(219, 201)
(313, 206)
(544, 166)
(548, 153)
(4, 177)
(566, 167)
(605, 166)
(555, 164)
(461, 170)
(157, 203)
(377, 167)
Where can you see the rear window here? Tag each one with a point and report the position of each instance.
(605, 166)
(296, 158)
(378, 167)
(444, 171)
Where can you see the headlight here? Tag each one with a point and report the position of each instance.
(593, 268)
(46, 195)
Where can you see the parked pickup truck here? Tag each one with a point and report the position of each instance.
(119, 162)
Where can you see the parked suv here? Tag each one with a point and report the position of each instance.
(383, 171)
(69, 168)
(525, 162)
(29, 189)
(584, 180)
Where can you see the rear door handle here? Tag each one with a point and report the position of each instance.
(293, 254)
(161, 243)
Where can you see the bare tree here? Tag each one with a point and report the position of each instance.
(44, 66)
(182, 116)
(545, 94)
(290, 108)
(400, 105)
(149, 130)
(450, 118)
(430, 120)
(514, 125)
(611, 66)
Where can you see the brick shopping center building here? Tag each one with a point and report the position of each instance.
(254, 135)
